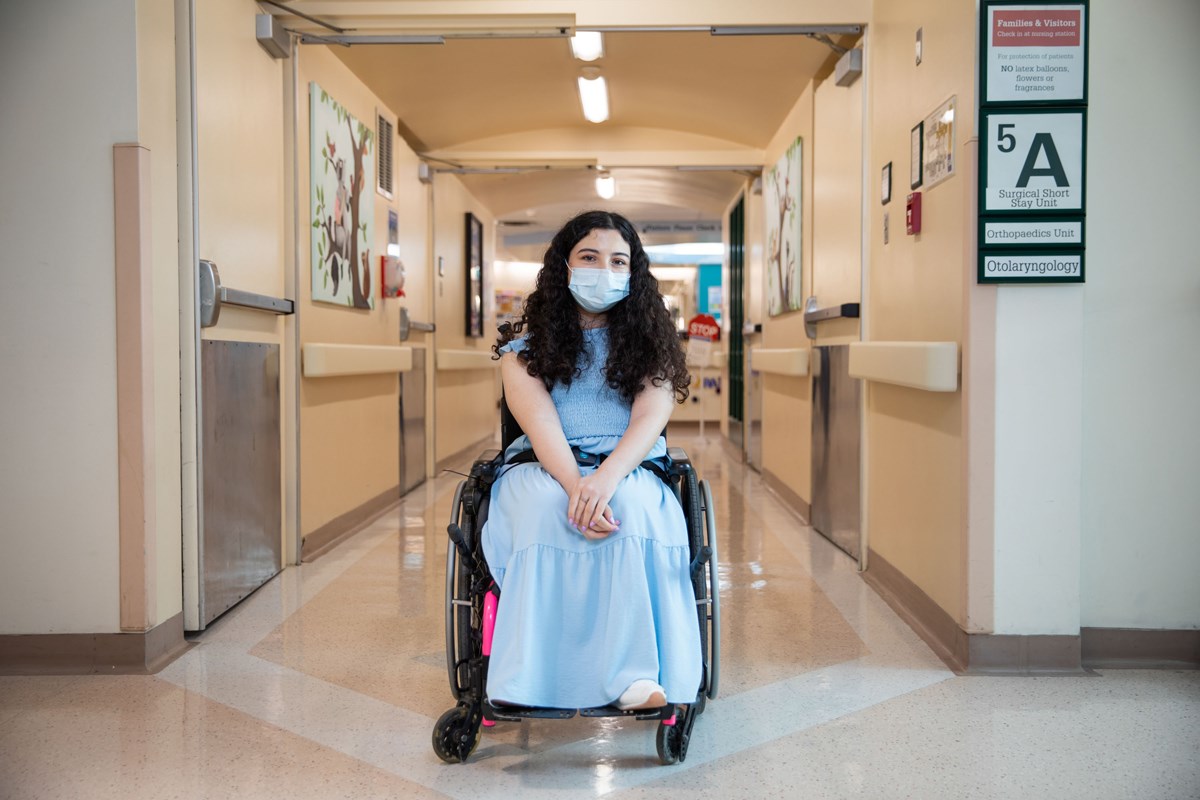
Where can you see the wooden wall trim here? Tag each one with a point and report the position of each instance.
(789, 497)
(141, 653)
(320, 541)
(1139, 648)
(135, 387)
(970, 653)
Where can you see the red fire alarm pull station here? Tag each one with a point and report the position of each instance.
(912, 214)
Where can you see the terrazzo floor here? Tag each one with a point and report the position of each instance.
(327, 681)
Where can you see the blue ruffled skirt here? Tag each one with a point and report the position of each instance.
(580, 620)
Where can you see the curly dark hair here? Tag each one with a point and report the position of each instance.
(642, 341)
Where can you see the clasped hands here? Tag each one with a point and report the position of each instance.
(587, 505)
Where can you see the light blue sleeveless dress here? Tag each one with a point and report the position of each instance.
(580, 620)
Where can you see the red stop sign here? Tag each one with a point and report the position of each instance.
(703, 326)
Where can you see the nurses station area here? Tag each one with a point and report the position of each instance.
(931, 266)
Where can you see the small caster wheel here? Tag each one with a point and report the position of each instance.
(456, 734)
(668, 743)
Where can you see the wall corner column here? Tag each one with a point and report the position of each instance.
(135, 387)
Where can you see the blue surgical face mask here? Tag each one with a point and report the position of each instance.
(598, 290)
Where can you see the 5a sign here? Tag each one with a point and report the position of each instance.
(1033, 161)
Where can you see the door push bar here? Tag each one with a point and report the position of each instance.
(213, 295)
(407, 325)
(813, 315)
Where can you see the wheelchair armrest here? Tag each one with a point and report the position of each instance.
(486, 465)
(678, 455)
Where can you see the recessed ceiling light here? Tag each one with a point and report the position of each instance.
(593, 93)
(587, 45)
(606, 186)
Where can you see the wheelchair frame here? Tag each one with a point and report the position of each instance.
(471, 602)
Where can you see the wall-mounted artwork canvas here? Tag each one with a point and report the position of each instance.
(781, 199)
(474, 261)
(342, 198)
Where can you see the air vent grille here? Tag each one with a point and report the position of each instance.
(386, 134)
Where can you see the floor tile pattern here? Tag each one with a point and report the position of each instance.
(326, 683)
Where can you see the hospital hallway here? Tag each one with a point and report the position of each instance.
(327, 681)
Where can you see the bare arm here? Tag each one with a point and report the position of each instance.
(534, 411)
(649, 415)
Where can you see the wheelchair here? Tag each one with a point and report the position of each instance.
(472, 598)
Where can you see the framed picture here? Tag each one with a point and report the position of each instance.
(885, 186)
(916, 144)
(782, 198)
(342, 210)
(474, 262)
(937, 156)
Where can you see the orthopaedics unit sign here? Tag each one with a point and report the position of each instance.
(1035, 53)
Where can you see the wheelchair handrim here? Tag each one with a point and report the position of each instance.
(710, 534)
(451, 575)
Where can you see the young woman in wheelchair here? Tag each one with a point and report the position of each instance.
(589, 548)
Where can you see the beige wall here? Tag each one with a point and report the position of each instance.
(829, 120)
(58, 484)
(466, 400)
(240, 122)
(837, 205)
(1141, 323)
(787, 404)
(156, 131)
(915, 464)
(349, 426)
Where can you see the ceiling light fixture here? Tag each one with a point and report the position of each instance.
(685, 253)
(606, 186)
(593, 93)
(587, 45)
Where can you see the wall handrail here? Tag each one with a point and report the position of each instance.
(213, 295)
(327, 360)
(930, 366)
(458, 360)
(780, 360)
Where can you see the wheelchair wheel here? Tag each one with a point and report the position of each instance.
(455, 651)
(669, 743)
(714, 595)
(456, 735)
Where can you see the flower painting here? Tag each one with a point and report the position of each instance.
(342, 174)
(781, 196)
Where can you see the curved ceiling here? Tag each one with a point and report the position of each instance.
(732, 88)
(677, 98)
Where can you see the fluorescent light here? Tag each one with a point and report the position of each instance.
(685, 253)
(512, 274)
(606, 186)
(587, 45)
(593, 93)
(688, 249)
(664, 274)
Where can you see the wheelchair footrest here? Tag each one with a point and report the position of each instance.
(515, 713)
(665, 712)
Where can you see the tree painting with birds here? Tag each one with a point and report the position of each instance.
(342, 177)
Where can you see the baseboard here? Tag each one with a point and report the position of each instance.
(337, 530)
(93, 653)
(1139, 648)
(970, 653)
(790, 499)
(919, 611)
